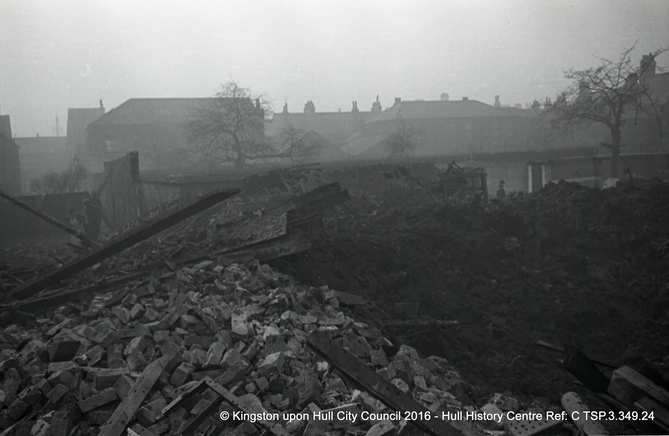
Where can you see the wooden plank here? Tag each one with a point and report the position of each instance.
(224, 394)
(421, 323)
(377, 386)
(660, 413)
(61, 297)
(560, 349)
(238, 402)
(125, 411)
(628, 386)
(116, 247)
(584, 370)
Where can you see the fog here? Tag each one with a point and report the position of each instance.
(62, 54)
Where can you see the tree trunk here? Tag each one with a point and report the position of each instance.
(240, 162)
(615, 155)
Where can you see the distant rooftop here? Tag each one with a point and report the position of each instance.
(410, 110)
(137, 111)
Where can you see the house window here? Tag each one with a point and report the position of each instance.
(114, 145)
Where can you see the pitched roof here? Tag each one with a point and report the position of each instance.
(138, 111)
(360, 144)
(326, 150)
(411, 110)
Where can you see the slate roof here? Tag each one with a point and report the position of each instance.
(326, 150)
(412, 110)
(137, 111)
(359, 144)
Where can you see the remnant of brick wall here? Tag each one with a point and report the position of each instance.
(123, 196)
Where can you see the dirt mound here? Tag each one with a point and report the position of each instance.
(568, 265)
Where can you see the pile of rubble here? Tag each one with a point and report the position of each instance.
(122, 358)
(567, 265)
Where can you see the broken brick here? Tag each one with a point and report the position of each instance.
(272, 364)
(63, 351)
(106, 396)
(181, 374)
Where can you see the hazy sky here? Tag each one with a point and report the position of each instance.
(56, 54)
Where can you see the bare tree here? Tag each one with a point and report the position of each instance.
(608, 95)
(230, 127)
(402, 141)
(295, 144)
(54, 182)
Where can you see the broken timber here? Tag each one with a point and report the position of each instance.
(116, 424)
(421, 323)
(58, 298)
(560, 349)
(116, 247)
(376, 385)
(224, 395)
(48, 219)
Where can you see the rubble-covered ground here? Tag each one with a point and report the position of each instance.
(567, 265)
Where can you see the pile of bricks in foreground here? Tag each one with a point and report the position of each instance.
(113, 366)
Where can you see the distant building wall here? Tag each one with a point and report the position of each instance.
(158, 145)
(42, 155)
(592, 171)
(479, 135)
(514, 174)
(10, 167)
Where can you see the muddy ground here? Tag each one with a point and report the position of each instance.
(567, 265)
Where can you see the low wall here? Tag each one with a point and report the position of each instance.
(644, 165)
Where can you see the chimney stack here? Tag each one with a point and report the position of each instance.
(465, 98)
(102, 106)
(376, 106)
(497, 103)
(445, 96)
(310, 108)
(648, 65)
(355, 107)
(398, 100)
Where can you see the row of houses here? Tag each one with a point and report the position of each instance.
(155, 128)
